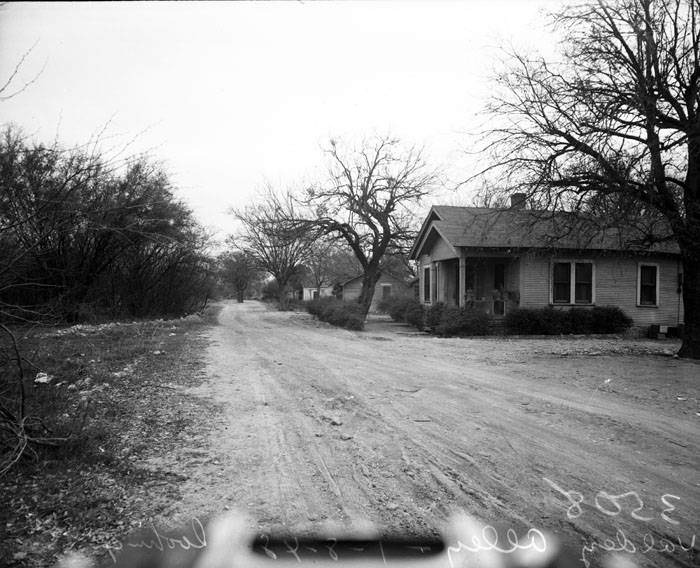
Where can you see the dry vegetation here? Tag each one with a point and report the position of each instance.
(128, 381)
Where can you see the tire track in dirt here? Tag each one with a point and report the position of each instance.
(322, 424)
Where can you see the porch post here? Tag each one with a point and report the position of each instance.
(433, 282)
(462, 281)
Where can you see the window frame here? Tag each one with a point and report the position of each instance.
(656, 284)
(385, 286)
(551, 283)
(572, 262)
(427, 285)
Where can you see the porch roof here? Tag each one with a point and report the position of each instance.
(482, 227)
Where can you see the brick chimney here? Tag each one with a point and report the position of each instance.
(518, 200)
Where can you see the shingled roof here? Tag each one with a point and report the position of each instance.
(481, 227)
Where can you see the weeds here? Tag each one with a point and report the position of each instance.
(110, 392)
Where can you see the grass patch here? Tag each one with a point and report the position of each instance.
(126, 380)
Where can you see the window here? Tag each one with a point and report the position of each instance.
(572, 280)
(426, 285)
(386, 291)
(314, 294)
(647, 285)
(583, 293)
(561, 283)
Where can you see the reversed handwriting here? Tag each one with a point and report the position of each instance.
(293, 551)
(575, 499)
(615, 500)
(621, 543)
(160, 542)
(613, 505)
(488, 540)
(670, 508)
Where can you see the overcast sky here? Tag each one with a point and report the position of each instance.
(229, 95)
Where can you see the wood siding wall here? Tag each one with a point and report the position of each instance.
(441, 251)
(614, 281)
(615, 284)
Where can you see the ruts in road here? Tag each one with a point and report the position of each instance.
(593, 440)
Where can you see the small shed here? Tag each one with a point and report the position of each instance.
(387, 286)
(312, 293)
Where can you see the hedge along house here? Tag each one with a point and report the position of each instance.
(496, 260)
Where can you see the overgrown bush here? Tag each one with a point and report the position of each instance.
(433, 315)
(336, 312)
(85, 237)
(404, 309)
(462, 321)
(550, 321)
(414, 313)
(610, 319)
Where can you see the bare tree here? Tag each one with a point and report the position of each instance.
(329, 262)
(278, 246)
(367, 202)
(614, 127)
(237, 269)
(10, 87)
(80, 239)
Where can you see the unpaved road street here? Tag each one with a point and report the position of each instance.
(590, 439)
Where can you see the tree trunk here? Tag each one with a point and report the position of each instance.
(689, 243)
(240, 293)
(691, 303)
(284, 298)
(369, 281)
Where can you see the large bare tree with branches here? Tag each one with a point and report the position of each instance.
(368, 199)
(614, 126)
(329, 262)
(277, 245)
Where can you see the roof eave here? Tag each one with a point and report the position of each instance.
(413, 255)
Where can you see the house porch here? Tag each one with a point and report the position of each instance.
(488, 284)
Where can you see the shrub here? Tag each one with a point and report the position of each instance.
(414, 313)
(449, 322)
(385, 305)
(579, 321)
(336, 312)
(610, 319)
(397, 309)
(463, 321)
(433, 315)
(404, 309)
(550, 321)
(521, 321)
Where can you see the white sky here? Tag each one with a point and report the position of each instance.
(229, 95)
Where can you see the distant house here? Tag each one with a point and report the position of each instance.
(499, 259)
(387, 286)
(311, 293)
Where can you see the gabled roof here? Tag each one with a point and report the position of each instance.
(482, 227)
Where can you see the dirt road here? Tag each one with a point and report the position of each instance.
(589, 439)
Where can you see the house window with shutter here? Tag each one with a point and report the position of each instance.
(648, 285)
(573, 282)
